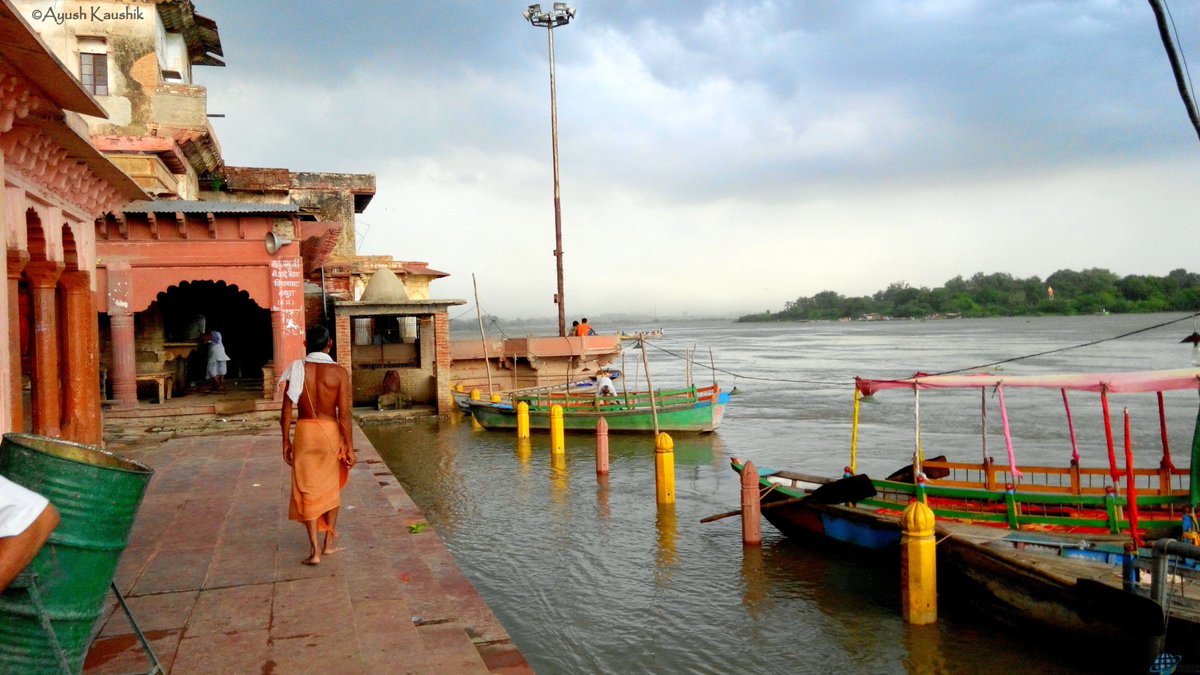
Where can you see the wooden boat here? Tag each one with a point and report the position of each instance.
(1036, 546)
(683, 410)
(462, 397)
(1038, 579)
(532, 361)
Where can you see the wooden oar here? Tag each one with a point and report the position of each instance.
(850, 489)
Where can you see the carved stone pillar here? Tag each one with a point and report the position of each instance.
(81, 362)
(43, 286)
(16, 264)
(124, 369)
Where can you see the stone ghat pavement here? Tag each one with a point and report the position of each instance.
(213, 576)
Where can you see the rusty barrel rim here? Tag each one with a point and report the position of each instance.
(70, 451)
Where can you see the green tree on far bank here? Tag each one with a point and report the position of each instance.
(1066, 292)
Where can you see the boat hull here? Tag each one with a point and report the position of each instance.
(698, 417)
(1003, 579)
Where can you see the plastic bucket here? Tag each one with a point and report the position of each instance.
(97, 494)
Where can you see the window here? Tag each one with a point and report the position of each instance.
(93, 72)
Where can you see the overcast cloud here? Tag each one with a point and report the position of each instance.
(722, 158)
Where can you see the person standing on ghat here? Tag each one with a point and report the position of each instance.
(322, 452)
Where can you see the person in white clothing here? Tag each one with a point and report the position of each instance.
(604, 384)
(217, 360)
(26, 521)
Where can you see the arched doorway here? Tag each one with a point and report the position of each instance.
(245, 327)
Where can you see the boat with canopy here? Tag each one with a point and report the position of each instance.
(1050, 546)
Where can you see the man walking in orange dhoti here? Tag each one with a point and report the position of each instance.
(322, 452)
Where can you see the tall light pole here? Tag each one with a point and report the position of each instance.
(561, 15)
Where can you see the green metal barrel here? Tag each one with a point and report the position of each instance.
(97, 494)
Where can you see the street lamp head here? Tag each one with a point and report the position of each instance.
(559, 15)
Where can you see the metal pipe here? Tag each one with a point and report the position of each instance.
(558, 252)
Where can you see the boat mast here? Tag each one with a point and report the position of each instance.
(482, 338)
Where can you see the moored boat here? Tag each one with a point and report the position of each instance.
(462, 397)
(682, 410)
(1036, 546)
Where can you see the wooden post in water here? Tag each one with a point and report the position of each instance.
(522, 420)
(558, 444)
(602, 447)
(751, 511)
(918, 565)
(664, 468)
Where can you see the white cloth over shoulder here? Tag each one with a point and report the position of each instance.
(19, 507)
(294, 375)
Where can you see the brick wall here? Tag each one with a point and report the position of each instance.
(343, 343)
(441, 336)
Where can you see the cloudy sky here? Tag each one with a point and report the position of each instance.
(722, 158)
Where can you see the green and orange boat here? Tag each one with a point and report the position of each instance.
(693, 409)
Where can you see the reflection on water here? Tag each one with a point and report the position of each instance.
(666, 556)
(589, 574)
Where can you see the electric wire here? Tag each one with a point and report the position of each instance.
(831, 383)
(1179, 48)
(944, 372)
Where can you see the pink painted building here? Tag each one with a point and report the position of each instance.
(238, 265)
(55, 186)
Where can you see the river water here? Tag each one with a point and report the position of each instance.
(593, 577)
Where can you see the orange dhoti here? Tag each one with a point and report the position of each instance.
(317, 475)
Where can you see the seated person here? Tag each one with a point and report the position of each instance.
(26, 521)
(604, 384)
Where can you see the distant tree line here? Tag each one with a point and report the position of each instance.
(1066, 292)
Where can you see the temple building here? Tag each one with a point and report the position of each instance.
(56, 185)
(258, 254)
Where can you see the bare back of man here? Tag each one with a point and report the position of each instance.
(325, 397)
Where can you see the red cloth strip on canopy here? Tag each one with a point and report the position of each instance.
(1113, 383)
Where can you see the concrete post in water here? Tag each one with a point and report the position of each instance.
(751, 509)
(558, 444)
(664, 468)
(522, 420)
(602, 447)
(918, 565)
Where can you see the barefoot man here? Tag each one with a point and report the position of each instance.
(322, 452)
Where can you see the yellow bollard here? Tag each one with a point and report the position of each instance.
(496, 398)
(458, 387)
(522, 420)
(664, 468)
(475, 395)
(918, 565)
(558, 444)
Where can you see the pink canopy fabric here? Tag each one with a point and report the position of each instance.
(1113, 383)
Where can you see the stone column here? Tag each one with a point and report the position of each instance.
(124, 370)
(287, 314)
(16, 406)
(43, 277)
(81, 362)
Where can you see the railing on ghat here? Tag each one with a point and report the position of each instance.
(1074, 480)
(589, 401)
(1020, 507)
